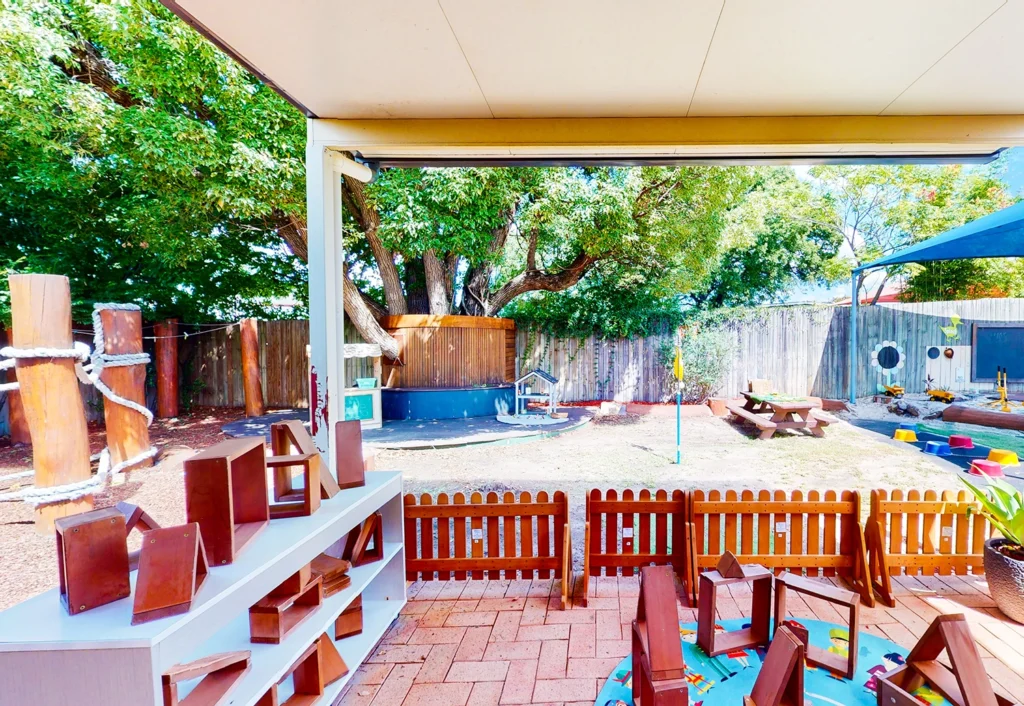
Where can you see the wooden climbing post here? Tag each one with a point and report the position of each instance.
(41, 318)
(254, 406)
(127, 430)
(166, 333)
(17, 425)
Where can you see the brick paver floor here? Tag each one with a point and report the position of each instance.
(476, 643)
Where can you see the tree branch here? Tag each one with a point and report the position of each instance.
(437, 292)
(534, 280)
(354, 194)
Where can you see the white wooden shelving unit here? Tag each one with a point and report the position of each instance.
(49, 658)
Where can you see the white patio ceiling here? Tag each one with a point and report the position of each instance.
(509, 60)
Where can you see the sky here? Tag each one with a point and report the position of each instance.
(1013, 164)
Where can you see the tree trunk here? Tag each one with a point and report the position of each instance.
(477, 286)
(881, 287)
(437, 292)
(415, 287)
(366, 323)
(369, 219)
(534, 280)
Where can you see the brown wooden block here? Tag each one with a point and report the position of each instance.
(843, 600)
(273, 617)
(350, 622)
(294, 583)
(172, 567)
(220, 674)
(334, 666)
(135, 518)
(659, 670)
(92, 559)
(333, 571)
(286, 437)
(307, 675)
(716, 642)
(366, 544)
(729, 566)
(226, 493)
(348, 452)
(964, 682)
(781, 679)
(295, 503)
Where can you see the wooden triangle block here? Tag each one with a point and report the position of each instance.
(781, 679)
(172, 567)
(729, 566)
(366, 545)
(220, 673)
(284, 437)
(657, 623)
(965, 684)
(135, 516)
(333, 665)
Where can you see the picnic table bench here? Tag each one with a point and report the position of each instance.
(786, 413)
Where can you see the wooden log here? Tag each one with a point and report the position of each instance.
(254, 406)
(166, 333)
(41, 317)
(127, 430)
(17, 425)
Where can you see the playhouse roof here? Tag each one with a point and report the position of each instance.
(541, 374)
(999, 234)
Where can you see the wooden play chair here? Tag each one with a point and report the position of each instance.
(658, 668)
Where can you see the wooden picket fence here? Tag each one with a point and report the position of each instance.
(819, 534)
(916, 532)
(640, 529)
(489, 537)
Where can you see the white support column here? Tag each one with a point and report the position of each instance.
(326, 308)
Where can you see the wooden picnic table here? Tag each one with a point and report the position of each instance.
(786, 413)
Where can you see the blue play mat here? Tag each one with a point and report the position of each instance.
(727, 678)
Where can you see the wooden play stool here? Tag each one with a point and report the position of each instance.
(848, 601)
(659, 672)
(92, 559)
(272, 618)
(220, 673)
(781, 679)
(714, 643)
(226, 493)
(289, 439)
(307, 677)
(966, 684)
(172, 567)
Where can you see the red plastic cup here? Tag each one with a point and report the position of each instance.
(959, 441)
(982, 467)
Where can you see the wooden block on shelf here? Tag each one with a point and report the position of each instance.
(226, 493)
(659, 669)
(709, 638)
(92, 559)
(220, 674)
(307, 675)
(284, 437)
(272, 618)
(348, 452)
(172, 567)
(295, 583)
(295, 503)
(350, 622)
(334, 573)
(730, 567)
(367, 544)
(135, 518)
(333, 665)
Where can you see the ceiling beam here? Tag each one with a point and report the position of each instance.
(673, 140)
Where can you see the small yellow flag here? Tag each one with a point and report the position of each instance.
(677, 366)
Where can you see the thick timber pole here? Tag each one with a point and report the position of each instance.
(166, 334)
(17, 425)
(251, 369)
(127, 430)
(41, 318)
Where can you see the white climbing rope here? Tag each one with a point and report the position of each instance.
(89, 374)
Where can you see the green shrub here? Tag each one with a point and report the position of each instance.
(706, 358)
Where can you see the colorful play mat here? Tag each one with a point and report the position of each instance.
(727, 678)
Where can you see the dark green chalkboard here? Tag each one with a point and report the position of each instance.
(997, 345)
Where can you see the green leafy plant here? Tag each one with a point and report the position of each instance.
(1003, 506)
(706, 357)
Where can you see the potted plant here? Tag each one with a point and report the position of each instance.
(1003, 506)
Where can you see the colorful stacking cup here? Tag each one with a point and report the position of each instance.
(981, 467)
(908, 425)
(1003, 457)
(907, 435)
(937, 448)
(959, 441)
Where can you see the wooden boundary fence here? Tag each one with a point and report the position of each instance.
(913, 532)
(489, 538)
(634, 531)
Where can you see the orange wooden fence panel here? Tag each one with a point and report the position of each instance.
(814, 533)
(636, 530)
(928, 532)
(493, 537)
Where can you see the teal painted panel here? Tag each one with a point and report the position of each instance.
(358, 407)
